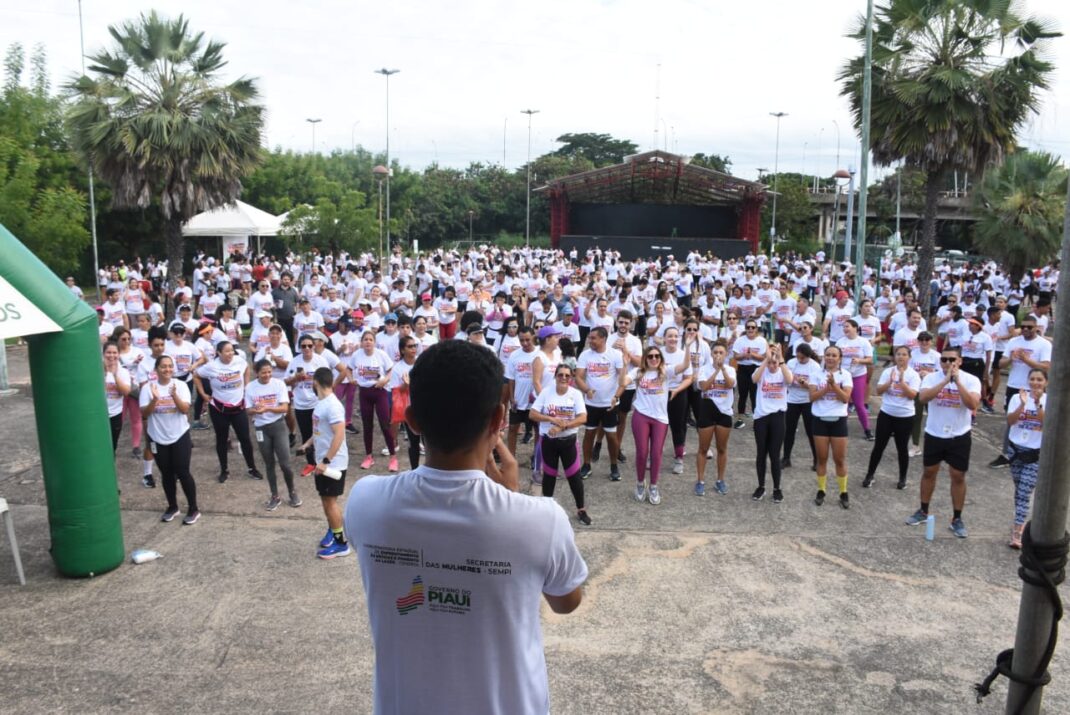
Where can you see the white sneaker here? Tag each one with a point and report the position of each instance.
(655, 497)
(677, 466)
(385, 452)
(914, 451)
(709, 453)
(640, 492)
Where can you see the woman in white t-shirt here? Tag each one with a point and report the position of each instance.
(804, 366)
(650, 423)
(898, 385)
(1025, 415)
(510, 340)
(399, 396)
(165, 403)
(371, 370)
(678, 367)
(716, 380)
(771, 381)
(857, 355)
(268, 401)
(226, 376)
(116, 389)
(830, 391)
(559, 411)
(749, 351)
(130, 357)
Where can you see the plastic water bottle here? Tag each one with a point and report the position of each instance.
(930, 528)
(140, 556)
(332, 473)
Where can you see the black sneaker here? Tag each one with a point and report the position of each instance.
(901, 484)
(867, 482)
(739, 424)
(528, 436)
(351, 429)
(785, 463)
(622, 458)
(614, 473)
(597, 452)
(820, 498)
(223, 476)
(584, 519)
(148, 481)
(845, 501)
(999, 462)
(778, 496)
(585, 471)
(300, 452)
(170, 514)
(869, 435)
(255, 474)
(758, 494)
(293, 440)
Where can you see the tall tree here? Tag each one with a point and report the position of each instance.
(1021, 205)
(712, 161)
(599, 149)
(157, 125)
(953, 80)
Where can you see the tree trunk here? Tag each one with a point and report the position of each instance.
(927, 247)
(176, 254)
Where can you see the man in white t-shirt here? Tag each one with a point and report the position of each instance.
(1026, 352)
(952, 396)
(599, 371)
(454, 560)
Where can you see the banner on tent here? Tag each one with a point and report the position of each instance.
(233, 245)
(19, 317)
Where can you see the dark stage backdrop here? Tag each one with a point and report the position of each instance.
(652, 220)
(633, 247)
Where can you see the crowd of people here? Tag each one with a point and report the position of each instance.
(289, 352)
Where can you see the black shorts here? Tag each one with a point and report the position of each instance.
(625, 404)
(710, 416)
(996, 357)
(974, 366)
(603, 417)
(327, 487)
(953, 450)
(823, 428)
(519, 417)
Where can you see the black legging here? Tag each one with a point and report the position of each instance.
(768, 438)
(173, 460)
(678, 421)
(747, 387)
(414, 446)
(304, 423)
(116, 430)
(791, 425)
(198, 401)
(899, 428)
(223, 418)
(559, 455)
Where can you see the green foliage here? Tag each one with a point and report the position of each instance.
(952, 82)
(599, 149)
(712, 161)
(1022, 207)
(39, 199)
(795, 217)
(157, 126)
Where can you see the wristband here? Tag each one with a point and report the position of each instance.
(326, 461)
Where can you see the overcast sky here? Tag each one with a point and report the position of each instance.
(468, 68)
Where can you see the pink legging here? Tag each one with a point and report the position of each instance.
(375, 402)
(858, 397)
(649, 437)
(346, 392)
(132, 414)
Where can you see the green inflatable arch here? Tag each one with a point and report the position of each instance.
(72, 419)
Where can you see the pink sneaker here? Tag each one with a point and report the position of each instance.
(368, 462)
(393, 464)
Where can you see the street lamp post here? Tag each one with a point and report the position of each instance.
(839, 174)
(850, 214)
(776, 173)
(386, 73)
(380, 172)
(527, 220)
(92, 197)
(314, 122)
(470, 215)
(863, 189)
(353, 136)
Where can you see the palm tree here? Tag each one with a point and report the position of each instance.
(157, 125)
(952, 82)
(1021, 205)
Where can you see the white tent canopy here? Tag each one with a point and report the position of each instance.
(237, 219)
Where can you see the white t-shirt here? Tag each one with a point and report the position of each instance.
(672, 361)
(633, 345)
(799, 394)
(567, 406)
(893, 401)
(719, 394)
(772, 395)
(273, 394)
(651, 394)
(329, 411)
(304, 394)
(369, 369)
(184, 356)
(924, 363)
(976, 346)
(226, 379)
(948, 416)
(829, 404)
(836, 317)
(451, 563)
(166, 424)
(519, 369)
(753, 348)
(906, 336)
(111, 391)
(283, 352)
(1038, 349)
(853, 351)
(1027, 432)
(307, 323)
(602, 374)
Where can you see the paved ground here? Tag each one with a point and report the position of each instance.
(699, 605)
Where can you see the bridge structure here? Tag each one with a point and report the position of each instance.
(953, 206)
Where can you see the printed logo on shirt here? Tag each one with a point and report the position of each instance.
(369, 372)
(773, 390)
(1029, 421)
(598, 369)
(652, 386)
(413, 599)
(261, 401)
(949, 397)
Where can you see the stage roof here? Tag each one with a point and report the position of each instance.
(655, 177)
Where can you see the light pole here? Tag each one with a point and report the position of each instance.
(314, 122)
(527, 221)
(850, 214)
(471, 213)
(92, 197)
(353, 136)
(505, 139)
(380, 172)
(863, 188)
(839, 174)
(386, 73)
(776, 173)
(837, 141)
(817, 160)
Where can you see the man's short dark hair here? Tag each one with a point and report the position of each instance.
(600, 332)
(455, 386)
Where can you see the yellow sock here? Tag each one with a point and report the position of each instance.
(822, 480)
(842, 482)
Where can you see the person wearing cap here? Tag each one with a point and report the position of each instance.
(401, 299)
(568, 326)
(207, 346)
(185, 316)
(447, 306)
(924, 359)
(344, 343)
(547, 358)
(209, 303)
(426, 310)
(227, 325)
(477, 334)
(496, 316)
(307, 320)
(258, 336)
(185, 354)
(332, 309)
(977, 350)
(261, 299)
(842, 310)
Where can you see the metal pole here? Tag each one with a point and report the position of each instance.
(867, 90)
(817, 160)
(389, 170)
(505, 140)
(898, 202)
(836, 221)
(1049, 504)
(92, 196)
(776, 174)
(380, 227)
(527, 220)
(850, 215)
(313, 122)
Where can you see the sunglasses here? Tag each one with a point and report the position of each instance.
(690, 330)
(948, 359)
(752, 327)
(653, 356)
(306, 345)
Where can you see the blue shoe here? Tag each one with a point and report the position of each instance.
(720, 486)
(957, 528)
(335, 549)
(700, 489)
(327, 539)
(916, 518)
